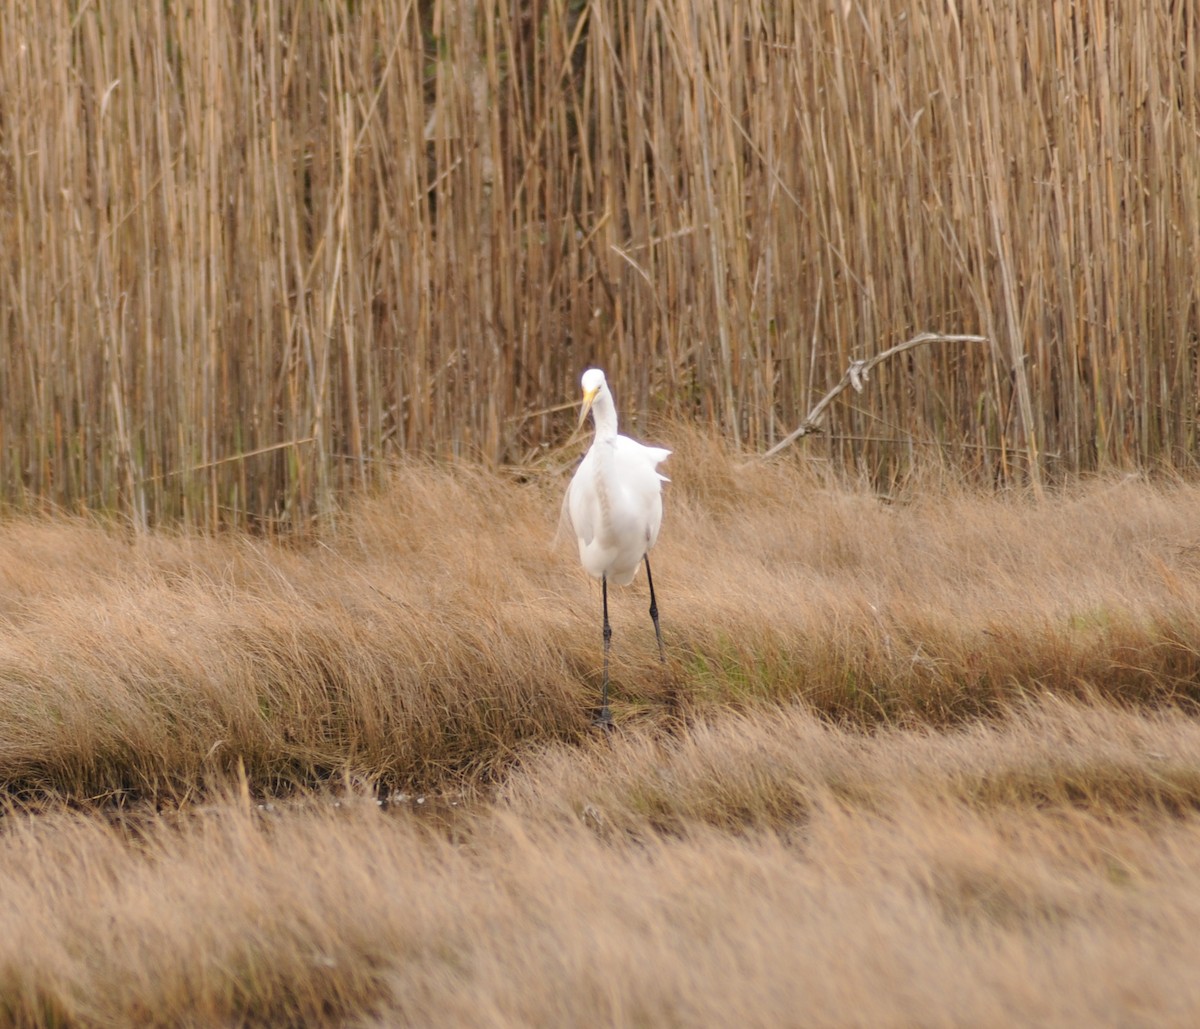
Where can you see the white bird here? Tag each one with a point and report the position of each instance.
(614, 505)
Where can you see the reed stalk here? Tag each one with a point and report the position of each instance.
(253, 253)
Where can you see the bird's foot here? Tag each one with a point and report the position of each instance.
(603, 719)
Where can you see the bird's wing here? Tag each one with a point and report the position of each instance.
(577, 512)
(630, 451)
(564, 518)
(657, 455)
(636, 511)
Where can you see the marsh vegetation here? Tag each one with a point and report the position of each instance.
(932, 759)
(295, 683)
(253, 252)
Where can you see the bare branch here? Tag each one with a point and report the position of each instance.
(858, 373)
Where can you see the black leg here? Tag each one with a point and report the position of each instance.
(662, 655)
(603, 717)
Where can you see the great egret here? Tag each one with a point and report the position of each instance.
(614, 504)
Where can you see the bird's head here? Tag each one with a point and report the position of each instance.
(593, 383)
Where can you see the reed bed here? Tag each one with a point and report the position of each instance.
(255, 252)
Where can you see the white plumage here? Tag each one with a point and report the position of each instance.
(614, 506)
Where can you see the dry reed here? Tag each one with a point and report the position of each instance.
(254, 252)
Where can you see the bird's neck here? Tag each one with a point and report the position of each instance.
(604, 415)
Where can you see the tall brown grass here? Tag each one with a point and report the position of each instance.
(764, 871)
(925, 760)
(438, 631)
(254, 251)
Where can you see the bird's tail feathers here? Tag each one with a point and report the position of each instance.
(658, 454)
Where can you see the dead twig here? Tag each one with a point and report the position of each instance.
(858, 373)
